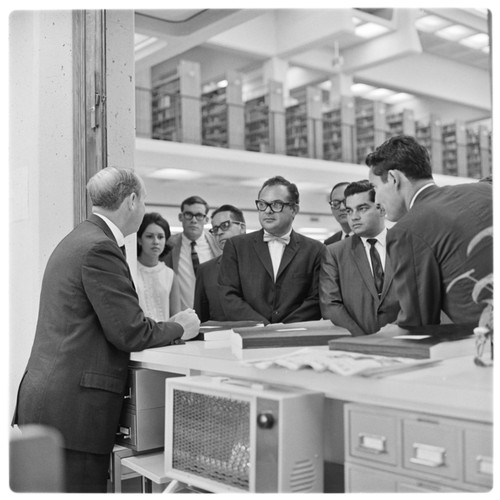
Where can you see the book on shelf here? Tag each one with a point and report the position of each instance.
(307, 333)
(422, 342)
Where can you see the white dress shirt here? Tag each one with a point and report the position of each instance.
(276, 249)
(380, 246)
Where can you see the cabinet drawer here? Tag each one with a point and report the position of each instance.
(372, 436)
(479, 456)
(432, 447)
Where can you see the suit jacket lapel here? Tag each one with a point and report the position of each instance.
(361, 260)
(262, 251)
(387, 277)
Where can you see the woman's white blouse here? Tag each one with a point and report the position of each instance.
(154, 285)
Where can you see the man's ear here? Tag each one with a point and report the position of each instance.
(395, 177)
(381, 209)
(180, 217)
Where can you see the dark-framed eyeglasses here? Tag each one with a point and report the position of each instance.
(336, 204)
(223, 226)
(276, 205)
(190, 215)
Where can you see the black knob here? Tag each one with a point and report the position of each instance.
(265, 420)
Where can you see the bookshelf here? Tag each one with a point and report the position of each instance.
(265, 121)
(454, 149)
(339, 131)
(222, 113)
(478, 152)
(371, 126)
(304, 125)
(176, 95)
(428, 133)
(401, 123)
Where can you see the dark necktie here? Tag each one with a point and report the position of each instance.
(124, 252)
(194, 256)
(378, 270)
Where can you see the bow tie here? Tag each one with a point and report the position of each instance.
(281, 239)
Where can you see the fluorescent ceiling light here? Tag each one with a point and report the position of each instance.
(400, 96)
(356, 21)
(379, 93)
(477, 41)
(143, 41)
(370, 30)
(361, 88)
(222, 84)
(175, 174)
(454, 32)
(431, 23)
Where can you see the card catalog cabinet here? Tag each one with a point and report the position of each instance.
(393, 451)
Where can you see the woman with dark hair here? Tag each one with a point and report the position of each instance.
(157, 285)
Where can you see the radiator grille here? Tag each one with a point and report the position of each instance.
(212, 437)
(303, 476)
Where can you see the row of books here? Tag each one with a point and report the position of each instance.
(425, 342)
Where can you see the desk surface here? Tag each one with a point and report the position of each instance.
(453, 387)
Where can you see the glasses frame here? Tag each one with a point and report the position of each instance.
(269, 205)
(335, 204)
(229, 222)
(189, 216)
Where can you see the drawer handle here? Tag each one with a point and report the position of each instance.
(428, 455)
(125, 432)
(484, 465)
(372, 443)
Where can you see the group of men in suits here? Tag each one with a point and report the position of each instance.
(90, 319)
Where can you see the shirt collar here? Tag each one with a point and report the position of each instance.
(120, 239)
(381, 237)
(419, 191)
(282, 236)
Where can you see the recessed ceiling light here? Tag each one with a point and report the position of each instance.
(400, 96)
(431, 23)
(370, 30)
(379, 93)
(361, 88)
(454, 32)
(175, 174)
(477, 41)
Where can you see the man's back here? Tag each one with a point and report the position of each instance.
(428, 249)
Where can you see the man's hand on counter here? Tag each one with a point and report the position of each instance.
(189, 320)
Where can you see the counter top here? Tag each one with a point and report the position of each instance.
(453, 387)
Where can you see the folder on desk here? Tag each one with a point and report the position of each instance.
(307, 333)
(422, 342)
(220, 330)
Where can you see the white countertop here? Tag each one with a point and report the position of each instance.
(453, 387)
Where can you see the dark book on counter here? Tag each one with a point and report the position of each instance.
(423, 342)
(220, 330)
(307, 333)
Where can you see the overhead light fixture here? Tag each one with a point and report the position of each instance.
(361, 88)
(399, 97)
(175, 174)
(222, 84)
(431, 23)
(454, 32)
(379, 93)
(143, 41)
(370, 30)
(477, 41)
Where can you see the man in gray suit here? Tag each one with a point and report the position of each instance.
(192, 247)
(88, 324)
(429, 246)
(356, 289)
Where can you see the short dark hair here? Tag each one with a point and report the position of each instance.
(402, 153)
(281, 181)
(193, 200)
(236, 213)
(154, 218)
(364, 186)
(111, 185)
(336, 186)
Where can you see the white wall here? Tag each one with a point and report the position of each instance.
(41, 164)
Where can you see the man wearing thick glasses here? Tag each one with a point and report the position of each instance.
(272, 275)
(192, 247)
(227, 221)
